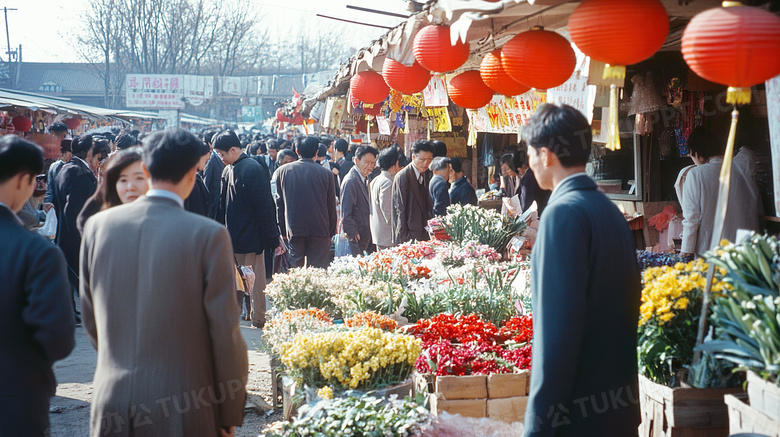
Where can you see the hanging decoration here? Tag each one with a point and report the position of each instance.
(281, 117)
(406, 80)
(73, 123)
(494, 76)
(644, 101)
(468, 91)
(539, 58)
(21, 123)
(368, 87)
(434, 50)
(619, 33)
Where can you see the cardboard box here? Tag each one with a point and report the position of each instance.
(462, 387)
(507, 385)
(464, 407)
(509, 410)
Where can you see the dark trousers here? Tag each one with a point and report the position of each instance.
(310, 251)
(269, 264)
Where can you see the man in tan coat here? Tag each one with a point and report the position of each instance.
(159, 305)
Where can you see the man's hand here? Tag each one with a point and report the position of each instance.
(335, 171)
(229, 432)
(47, 207)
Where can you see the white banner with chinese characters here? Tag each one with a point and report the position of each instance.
(576, 92)
(505, 115)
(155, 91)
(198, 89)
(773, 115)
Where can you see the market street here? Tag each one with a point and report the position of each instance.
(69, 409)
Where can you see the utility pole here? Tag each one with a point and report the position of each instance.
(7, 35)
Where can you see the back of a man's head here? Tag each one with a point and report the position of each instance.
(439, 148)
(341, 145)
(125, 141)
(18, 155)
(388, 158)
(561, 129)
(439, 163)
(81, 145)
(701, 142)
(170, 154)
(272, 144)
(307, 148)
(226, 140)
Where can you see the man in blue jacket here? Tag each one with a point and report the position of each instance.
(36, 317)
(585, 291)
(249, 214)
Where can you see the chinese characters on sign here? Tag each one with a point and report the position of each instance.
(576, 92)
(505, 115)
(155, 91)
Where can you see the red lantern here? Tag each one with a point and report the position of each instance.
(468, 91)
(73, 123)
(619, 32)
(434, 51)
(494, 76)
(22, 124)
(405, 80)
(738, 46)
(539, 58)
(368, 87)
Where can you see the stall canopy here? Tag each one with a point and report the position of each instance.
(486, 26)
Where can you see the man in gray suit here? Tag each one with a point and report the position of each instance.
(159, 304)
(381, 197)
(585, 291)
(412, 205)
(355, 205)
(36, 318)
(306, 206)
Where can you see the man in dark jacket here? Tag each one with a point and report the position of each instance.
(412, 205)
(440, 166)
(36, 318)
(355, 206)
(212, 176)
(248, 214)
(198, 200)
(461, 191)
(585, 290)
(306, 206)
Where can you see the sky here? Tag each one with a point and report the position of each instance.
(47, 29)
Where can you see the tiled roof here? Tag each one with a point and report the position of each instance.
(60, 78)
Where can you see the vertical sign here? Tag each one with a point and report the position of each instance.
(773, 115)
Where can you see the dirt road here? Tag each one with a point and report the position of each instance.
(69, 409)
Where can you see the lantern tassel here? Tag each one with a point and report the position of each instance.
(738, 95)
(614, 72)
(472, 141)
(613, 136)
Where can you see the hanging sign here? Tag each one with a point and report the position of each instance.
(155, 91)
(435, 94)
(504, 115)
(773, 116)
(576, 92)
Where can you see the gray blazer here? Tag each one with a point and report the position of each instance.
(158, 301)
(585, 291)
(381, 217)
(305, 200)
(355, 209)
(412, 206)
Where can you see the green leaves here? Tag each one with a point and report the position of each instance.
(472, 223)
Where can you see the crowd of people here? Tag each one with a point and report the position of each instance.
(151, 229)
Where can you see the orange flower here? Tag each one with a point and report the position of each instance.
(306, 312)
(371, 319)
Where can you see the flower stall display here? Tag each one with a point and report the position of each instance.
(648, 259)
(465, 223)
(372, 320)
(364, 359)
(473, 368)
(355, 415)
(283, 327)
(745, 316)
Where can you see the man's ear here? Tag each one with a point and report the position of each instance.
(146, 171)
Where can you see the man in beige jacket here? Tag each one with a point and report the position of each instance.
(159, 305)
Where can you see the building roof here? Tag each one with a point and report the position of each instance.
(61, 78)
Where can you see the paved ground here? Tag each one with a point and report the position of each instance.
(69, 409)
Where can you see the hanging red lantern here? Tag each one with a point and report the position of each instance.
(737, 46)
(368, 87)
(539, 58)
(21, 123)
(619, 32)
(73, 123)
(405, 80)
(434, 50)
(494, 76)
(468, 91)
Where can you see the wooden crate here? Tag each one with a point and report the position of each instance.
(745, 418)
(683, 412)
(764, 396)
(502, 397)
